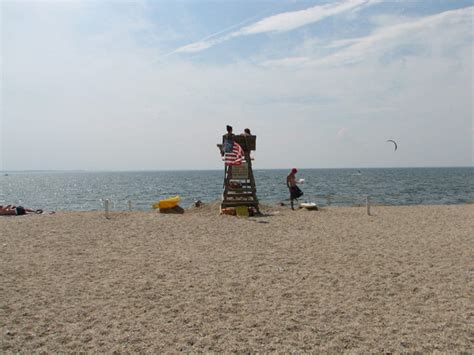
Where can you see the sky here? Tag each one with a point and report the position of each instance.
(151, 85)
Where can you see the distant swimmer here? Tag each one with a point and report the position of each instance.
(396, 146)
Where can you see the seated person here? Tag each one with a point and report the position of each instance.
(227, 141)
(246, 132)
(229, 133)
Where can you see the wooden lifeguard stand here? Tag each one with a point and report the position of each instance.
(239, 181)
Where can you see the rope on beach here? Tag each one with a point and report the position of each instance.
(357, 200)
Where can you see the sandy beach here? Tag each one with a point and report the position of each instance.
(333, 280)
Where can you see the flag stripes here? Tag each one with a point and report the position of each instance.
(234, 157)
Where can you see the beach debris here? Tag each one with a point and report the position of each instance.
(167, 202)
(198, 203)
(169, 205)
(242, 211)
(272, 213)
(172, 210)
(254, 212)
(391, 140)
(310, 206)
(258, 221)
(229, 211)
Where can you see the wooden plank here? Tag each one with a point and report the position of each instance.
(239, 203)
(242, 191)
(240, 198)
(240, 172)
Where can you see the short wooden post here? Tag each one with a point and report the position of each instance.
(106, 207)
(367, 203)
(129, 205)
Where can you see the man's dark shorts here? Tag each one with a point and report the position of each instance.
(295, 192)
(20, 211)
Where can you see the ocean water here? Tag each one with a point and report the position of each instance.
(87, 190)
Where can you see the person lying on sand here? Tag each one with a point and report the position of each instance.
(10, 210)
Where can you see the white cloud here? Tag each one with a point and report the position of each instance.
(283, 22)
(385, 36)
(293, 61)
(449, 27)
(195, 47)
(291, 20)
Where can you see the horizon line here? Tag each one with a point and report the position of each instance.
(218, 169)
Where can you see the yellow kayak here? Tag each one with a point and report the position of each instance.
(167, 203)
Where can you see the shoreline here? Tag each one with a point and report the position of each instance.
(335, 280)
(265, 206)
(220, 169)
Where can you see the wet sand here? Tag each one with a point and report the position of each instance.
(333, 280)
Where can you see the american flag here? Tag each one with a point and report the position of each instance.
(234, 157)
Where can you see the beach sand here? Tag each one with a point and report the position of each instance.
(331, 280)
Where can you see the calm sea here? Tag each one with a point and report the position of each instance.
(87, 190)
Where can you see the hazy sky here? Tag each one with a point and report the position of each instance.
(131, 85)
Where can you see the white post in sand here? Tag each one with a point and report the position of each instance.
(129, 205)
(367, 203)
(328, 198)
(106, 206)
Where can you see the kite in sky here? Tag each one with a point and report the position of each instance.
(390, 140)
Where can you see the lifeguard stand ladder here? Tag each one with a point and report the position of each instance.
(239, 181)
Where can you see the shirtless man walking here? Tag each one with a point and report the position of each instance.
(295, 191)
